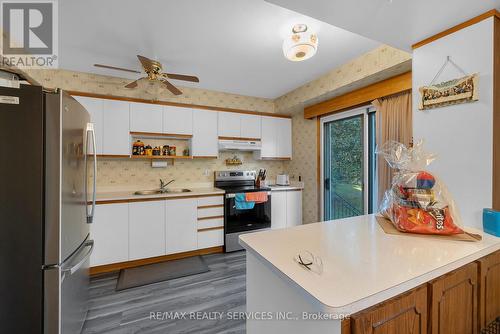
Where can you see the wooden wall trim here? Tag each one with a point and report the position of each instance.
(474, 20)
(496, 116)
(394, 85)
(107, 268)
(176, 104)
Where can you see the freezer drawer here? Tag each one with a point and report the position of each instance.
(66, 293)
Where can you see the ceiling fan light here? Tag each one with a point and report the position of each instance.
(301, 45)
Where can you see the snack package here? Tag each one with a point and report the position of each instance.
(417, 201)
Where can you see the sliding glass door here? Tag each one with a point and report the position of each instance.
(346, 171)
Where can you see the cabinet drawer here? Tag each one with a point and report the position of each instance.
(212, 238)
(211, 211)
(209, 223)
(210, 200)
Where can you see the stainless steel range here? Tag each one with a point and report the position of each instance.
(240, 221)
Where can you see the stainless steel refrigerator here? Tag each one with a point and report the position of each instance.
(48, 155)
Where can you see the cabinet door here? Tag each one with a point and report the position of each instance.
(453, 304)
(250, 126)
(284, 138)
(278, 209)
(293, 208)
(94, 107)
(229, 124)
(177, 120)
(116, 128)
(147, 229)
(205, 139)
(405, 314)
(145, 117)
(269, 136)
(181, 225)
(489, 288)
(110, 234)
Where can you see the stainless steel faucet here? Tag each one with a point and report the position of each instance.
(163, 185)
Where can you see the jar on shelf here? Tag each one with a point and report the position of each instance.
(172, 150)
(138, 148)
(156, 151)
(148, 150)
(165, 150)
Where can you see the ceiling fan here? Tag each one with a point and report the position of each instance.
(154, 72)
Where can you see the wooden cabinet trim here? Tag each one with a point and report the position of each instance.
(238, 138)
(132, 200)
(210, 217)
(210, 206)
(210, 229)
(136, 263)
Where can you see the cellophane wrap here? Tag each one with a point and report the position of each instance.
(417, 202)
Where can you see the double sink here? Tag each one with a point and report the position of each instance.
(159, 191)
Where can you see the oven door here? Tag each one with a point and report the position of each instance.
(237, 221)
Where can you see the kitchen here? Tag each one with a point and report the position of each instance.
(200, 191)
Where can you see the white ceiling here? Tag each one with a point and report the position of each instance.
(399, 23)
(232, 45)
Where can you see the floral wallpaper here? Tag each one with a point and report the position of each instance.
(108, 85)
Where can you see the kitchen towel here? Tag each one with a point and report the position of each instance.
(241, 203)
(257, 197)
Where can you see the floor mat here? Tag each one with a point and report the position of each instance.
(158, 272)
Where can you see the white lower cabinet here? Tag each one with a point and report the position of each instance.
(147, 229)
(286, 208)
(181, 225)
(278, 209)
(110, 234)
(293, 208)
(210, 238)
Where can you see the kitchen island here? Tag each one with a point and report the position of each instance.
(368, 275)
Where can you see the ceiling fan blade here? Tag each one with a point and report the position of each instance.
(133, 84)
(171, 87)
(146, 63)
(116, 68)
(183, 77)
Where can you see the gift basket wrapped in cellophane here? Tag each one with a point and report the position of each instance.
(417, 201)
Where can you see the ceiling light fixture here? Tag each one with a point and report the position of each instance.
(301, 45)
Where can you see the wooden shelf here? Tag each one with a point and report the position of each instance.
(160, 157)
(160, 135)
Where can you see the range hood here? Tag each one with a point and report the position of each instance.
(239, 145)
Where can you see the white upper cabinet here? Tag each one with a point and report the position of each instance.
(284, 138)
(229, 124)
(116, 128)
(239, 125)
(147, 229)
(181, 225)
(250, 126)
(146, 117)
(205, 138)
(276, 138)
(177, 120)
(269, 137)
(94, 107)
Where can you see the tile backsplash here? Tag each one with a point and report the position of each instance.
(116, 174)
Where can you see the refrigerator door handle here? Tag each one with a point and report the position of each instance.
(73, 269)
(90, 130)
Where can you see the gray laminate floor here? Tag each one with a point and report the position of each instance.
(222, 289)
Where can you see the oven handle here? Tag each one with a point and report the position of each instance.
(234, 195)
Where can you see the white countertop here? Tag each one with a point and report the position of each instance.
(362, 264)
(129, 195)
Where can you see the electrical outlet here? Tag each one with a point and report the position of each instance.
(206, 172)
